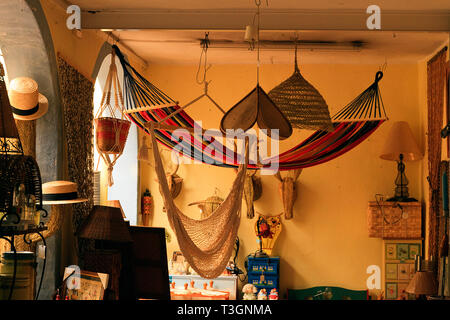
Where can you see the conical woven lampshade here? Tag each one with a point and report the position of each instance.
(423, 282)
(301, 103)
(105, 223)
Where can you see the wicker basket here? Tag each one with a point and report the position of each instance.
(111, 134)
(404, 222)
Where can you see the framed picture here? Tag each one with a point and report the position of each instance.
(412, 270)
(414, 250)
(391, 251)
(402, 251)
(391, 290)
(402, 294)
(391, 271)
(84, 285)
(403, 271)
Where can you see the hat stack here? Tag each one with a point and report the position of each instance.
(26, 101)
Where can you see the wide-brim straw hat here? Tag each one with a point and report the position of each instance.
(60, 192)
(210, 200)
(26, 101)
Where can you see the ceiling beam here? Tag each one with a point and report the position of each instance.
(271, 19)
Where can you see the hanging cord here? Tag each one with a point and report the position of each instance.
(204, 43)
(295, 53)
(258, 3)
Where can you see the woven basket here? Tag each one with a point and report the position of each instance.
(394, 225)
(111, 134)
(301, 103)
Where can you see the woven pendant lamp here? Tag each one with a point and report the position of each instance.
(301, 103)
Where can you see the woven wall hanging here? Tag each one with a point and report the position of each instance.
(77, 94)
(301, 103)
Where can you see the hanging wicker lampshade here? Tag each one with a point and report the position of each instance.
(301, 103)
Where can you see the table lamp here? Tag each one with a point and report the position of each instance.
(401, 146)
(422, 284)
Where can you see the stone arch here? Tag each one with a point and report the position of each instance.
(27, 48)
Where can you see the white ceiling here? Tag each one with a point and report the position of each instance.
(248, 4)
(183, 46)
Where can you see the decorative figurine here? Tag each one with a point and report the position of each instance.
(249, 291)
(262, 295)
(273, 294)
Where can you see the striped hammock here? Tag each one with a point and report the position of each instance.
(145, 103)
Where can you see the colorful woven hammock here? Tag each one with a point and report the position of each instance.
(145, 103)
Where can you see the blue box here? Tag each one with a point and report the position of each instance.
(263, 280)
(269, 266)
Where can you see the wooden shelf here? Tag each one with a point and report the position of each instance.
(401, 239)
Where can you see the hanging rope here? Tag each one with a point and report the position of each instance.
(111, 127)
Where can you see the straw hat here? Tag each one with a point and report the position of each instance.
(26, 101)
(60, 192)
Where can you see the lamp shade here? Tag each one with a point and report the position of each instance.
(105, 223)
(423, 283)
(401, 140)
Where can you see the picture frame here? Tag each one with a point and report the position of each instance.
(414, 249)
(91, 285)
(402, 291)
(391, 251)
(402, 251)
(403, 271)
(391, 290)
(412, 270)
(391, 271)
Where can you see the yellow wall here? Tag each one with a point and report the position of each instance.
(326, 243)
(82, 54)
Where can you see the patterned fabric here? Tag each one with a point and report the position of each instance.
(436, 72)
(77, 94)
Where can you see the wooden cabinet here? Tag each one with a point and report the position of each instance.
(398, 266)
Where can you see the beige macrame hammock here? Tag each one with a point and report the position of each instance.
(111, 131)
(206, 244)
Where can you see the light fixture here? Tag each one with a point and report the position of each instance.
(422, 284)
(401, 146)
(106, 224)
